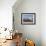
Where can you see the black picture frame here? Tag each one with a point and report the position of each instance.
(28, 18)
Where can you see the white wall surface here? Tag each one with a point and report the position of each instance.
(6, 13)
(6, 16)
(43, 22)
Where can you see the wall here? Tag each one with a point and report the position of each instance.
(29, 31)
(6, 16)
(6, 13)
(43, 22)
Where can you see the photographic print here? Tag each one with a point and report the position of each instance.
(28, 18)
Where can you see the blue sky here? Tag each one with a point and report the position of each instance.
(30, 16)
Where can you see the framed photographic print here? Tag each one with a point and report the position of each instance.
(28, 18)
